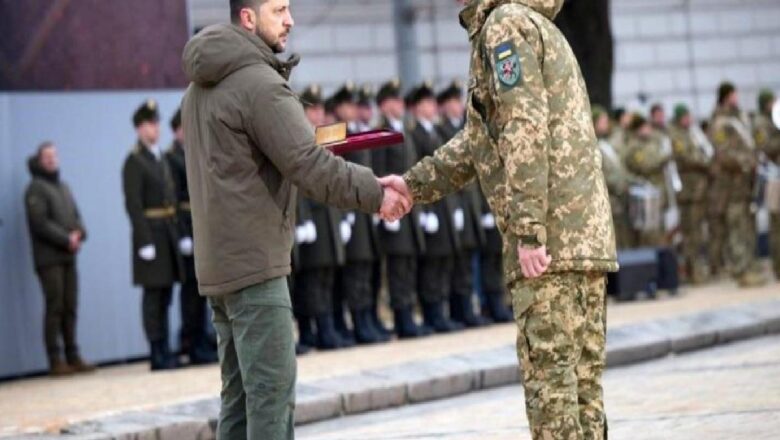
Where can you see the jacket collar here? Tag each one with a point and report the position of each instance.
(476, 12)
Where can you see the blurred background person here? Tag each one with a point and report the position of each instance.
(767, 135)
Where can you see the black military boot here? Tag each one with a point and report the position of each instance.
(160, 356)
(327, 336)
(462, 312)
(364, 331)
(382, 334)
(340, 324)
(433, 316)
(496, 309)
(380, 328)
(200, 352)
(306, 332)
(301, 349)
(405, 327)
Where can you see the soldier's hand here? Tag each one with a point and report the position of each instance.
(74, 241)
(533, 262)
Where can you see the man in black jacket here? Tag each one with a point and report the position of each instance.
(150, 200)
(57, 233)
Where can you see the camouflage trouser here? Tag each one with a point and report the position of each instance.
(561, 338)
(716, 223)
(692, 217)
(774, 243)
(741, 244)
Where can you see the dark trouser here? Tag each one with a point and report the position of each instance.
(257, 361)
(193, 312)
(314, 291)
(463, 275)
(435, 275)
(356, 285)
(401, 280)
(60, 289)
(492, 273)
(154, 308)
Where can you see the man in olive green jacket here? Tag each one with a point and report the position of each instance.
(248, 146)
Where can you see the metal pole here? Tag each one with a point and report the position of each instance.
(406, 43)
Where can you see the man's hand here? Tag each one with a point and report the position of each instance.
(398, 201)
(74, 241)
(533, 262)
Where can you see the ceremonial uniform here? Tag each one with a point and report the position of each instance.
(767, 136)
(529, 140)
(491, 267)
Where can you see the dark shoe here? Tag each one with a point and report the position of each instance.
(405, 327)
(364, 330)
(327, 336)
(340, 324)
(306, 334)
(496, 309)
(377, 324)
(161, 357)
(462, 312)
(301, 349)
(79, 366)
(59, 369)
(433, 316)
(200, 352)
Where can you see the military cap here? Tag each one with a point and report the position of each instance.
(724, 90)
(637, 122)
(453, 91)
(176, 120)
(680, 110)
(365, 95)
(421, 92)
(147, 112)
(618, 113)
(388, 90)
(765, 96)
(346, 93)
(311, 96)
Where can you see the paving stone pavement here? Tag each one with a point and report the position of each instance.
(727, 392)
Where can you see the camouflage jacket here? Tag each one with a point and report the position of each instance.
(767, 137)
(646, 157)
(528, 139)
(735, 153)
(693, 164)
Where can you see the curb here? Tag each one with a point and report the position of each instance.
(423, 381)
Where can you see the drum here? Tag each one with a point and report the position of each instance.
(644, 208)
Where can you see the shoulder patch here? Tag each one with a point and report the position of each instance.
(507, 65)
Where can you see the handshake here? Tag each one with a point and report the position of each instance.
(397, 200)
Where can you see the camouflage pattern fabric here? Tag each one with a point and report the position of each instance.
(647, 158)
(767, 138)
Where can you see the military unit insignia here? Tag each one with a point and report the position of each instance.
(507, 65)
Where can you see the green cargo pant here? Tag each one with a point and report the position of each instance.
(561, 339)
(257, 359)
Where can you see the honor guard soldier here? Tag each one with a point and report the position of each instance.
(57, 234)
(320, 254)
(736, 157)
(355, 283)
(150, 200)
(194, 338)
(442, 239)
(767, 134)
(466, 216)
(401, 241)
(365, 109)
(693, 154)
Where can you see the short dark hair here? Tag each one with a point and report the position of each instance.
(656, 108)
(42, 146)
(237, 5)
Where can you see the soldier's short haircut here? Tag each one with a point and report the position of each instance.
(42, 146)
(237, 5)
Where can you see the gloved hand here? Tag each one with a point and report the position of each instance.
(311, 229)
(147, 253)
(185, 246)
(351, 218)
(458, 220)
(431, 223)
(393, 226)
(346, 231)
(488, 221)
(301, 234)
(375, 219)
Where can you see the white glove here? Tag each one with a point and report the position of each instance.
(311, 231)
(488, 221)
(431, 223)
(346, 231)
(148, 252)
(375, 219)
(458, 220)
(393, 226)
(351, 218)
(185, 246)
(301, 234)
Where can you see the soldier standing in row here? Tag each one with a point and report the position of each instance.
(767, 136)
(150, 200)
(693, 155)
(619, 135)
(57, 234)
(402, 241)
(736, 158)
(365, 109)
(658, 119)
(466, 217)
(193, 306)
(355, 280)
(441, 237)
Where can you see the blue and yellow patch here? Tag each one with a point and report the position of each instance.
(507, 65)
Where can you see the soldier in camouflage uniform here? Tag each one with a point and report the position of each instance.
(619, 135)
(693, 160)
(618, 179)
(529, 141)
(767, 137)
(736, 157)
(646, 157)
